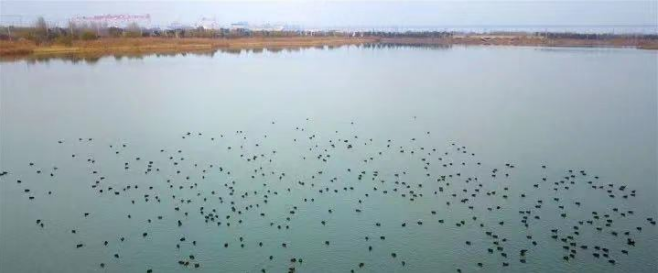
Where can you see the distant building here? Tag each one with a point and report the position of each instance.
(240, 25)
(178, 26)
(207, 23)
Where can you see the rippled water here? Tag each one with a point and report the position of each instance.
(316, 122)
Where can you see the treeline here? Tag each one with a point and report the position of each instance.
(407, 34)
(41, 33)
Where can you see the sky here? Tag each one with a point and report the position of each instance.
(351, 13)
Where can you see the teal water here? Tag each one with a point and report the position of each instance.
(401, 109)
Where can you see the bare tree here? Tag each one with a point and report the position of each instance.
(41, 29)
(73, 28)
(133, 30)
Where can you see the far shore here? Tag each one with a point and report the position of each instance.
(24, 49)
(145, 46)
(528, 40)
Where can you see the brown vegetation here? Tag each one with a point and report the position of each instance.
(108, 46)
(13, 48)
(149, 45)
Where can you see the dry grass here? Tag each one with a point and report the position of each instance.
(109, 46)
(11, 48)
(137, 46)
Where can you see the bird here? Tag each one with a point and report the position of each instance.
(236, 186)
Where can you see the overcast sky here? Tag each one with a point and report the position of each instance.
(352, 13)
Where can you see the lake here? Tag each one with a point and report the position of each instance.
(437, 155)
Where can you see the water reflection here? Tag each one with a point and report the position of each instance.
(94, 58)
(599, 50)
(407, 45)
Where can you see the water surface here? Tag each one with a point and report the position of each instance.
(568, 109)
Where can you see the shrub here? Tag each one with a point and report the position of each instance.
(133, 30)
(88, 35)
(64, 40)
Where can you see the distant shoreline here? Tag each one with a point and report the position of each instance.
(24, 49)
(144, 46)
(527, 40)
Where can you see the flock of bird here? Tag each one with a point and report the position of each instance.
(342, 169)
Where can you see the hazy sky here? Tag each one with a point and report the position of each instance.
(352, 13)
